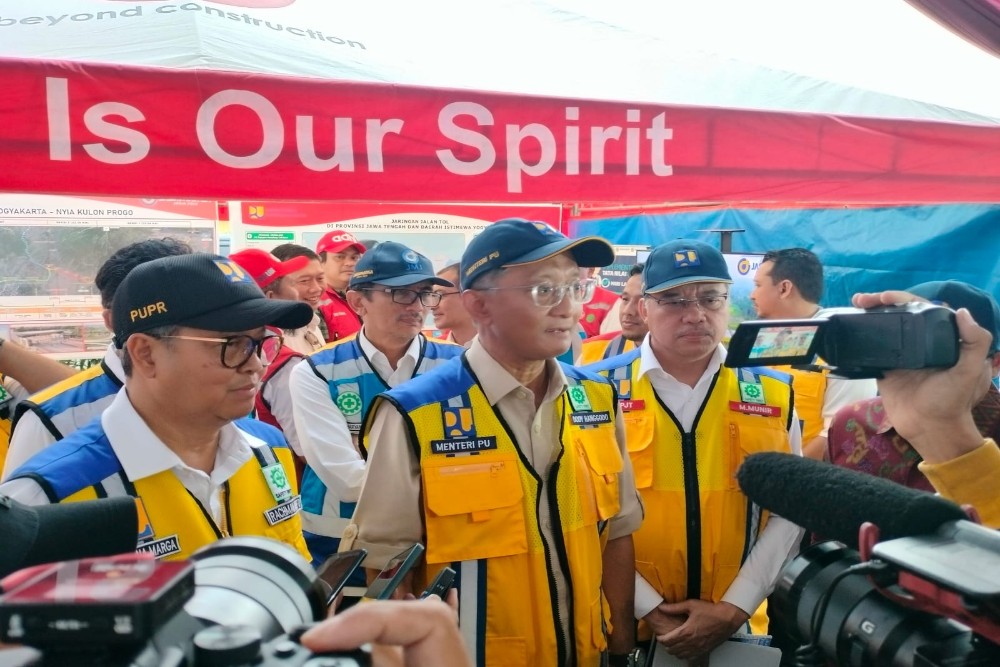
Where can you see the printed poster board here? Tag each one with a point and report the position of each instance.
(439, 231)
(51, 248)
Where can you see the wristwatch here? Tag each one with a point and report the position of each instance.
(631, 659)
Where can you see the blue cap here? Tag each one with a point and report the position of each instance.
(394, 265)
(955, 294)
(512, 242)
(683, 261)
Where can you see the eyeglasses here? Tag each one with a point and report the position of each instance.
(237, 350)
(405, 297)
(547, 295)
(443, 294)
(710, 302)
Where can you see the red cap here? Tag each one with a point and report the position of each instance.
(264, 267)
(338, 241)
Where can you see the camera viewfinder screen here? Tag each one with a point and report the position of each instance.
(783, 341)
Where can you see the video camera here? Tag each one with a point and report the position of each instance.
(238, 602)
(852, 342)
(927, 601)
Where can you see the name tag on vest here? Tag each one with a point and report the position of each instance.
(161, 548)
(589, 418)
(755, 409)
(463, 446)
(284, 511)
(629, 404)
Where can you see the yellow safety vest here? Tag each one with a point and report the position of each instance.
(4, 439)
(810, 392)
(6, 413)
(603, 347)
(480, 511)
(723, 523)
(173, 525)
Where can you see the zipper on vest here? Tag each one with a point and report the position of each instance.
(692, 512)
(561, 645)
(564, 643)
(226, 527)
(208, 516)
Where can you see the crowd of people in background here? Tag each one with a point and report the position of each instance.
(589, 508)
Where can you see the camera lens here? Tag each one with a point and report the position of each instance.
(860, 626)
(256, 582)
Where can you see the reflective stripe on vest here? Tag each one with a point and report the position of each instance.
(172, 524)
(724, 523)
(353, 385)
(480, 500)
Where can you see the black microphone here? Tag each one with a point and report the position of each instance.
(833, 502)
(34, 535)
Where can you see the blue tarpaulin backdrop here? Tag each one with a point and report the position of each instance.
(862, 249)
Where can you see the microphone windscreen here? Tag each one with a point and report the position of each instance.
(833, 502)
(49, 533)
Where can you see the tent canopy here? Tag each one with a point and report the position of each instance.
(307, 99)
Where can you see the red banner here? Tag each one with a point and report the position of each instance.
(100, 129)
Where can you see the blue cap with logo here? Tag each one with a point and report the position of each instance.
(512, 242)
(199, 290)
(683, 261)
(394, 265)
(955, 294)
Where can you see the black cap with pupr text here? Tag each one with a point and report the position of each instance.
(199, 290)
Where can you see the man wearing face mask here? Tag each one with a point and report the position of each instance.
(391, 289)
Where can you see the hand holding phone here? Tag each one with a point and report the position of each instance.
(442, 582)
(337, 569)
(393, 573)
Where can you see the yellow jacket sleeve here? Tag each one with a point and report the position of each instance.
(970, 479)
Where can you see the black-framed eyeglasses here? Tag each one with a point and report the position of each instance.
(237, 350)
(406, 297)
(547, 295)
(709, 302)
(443, 294)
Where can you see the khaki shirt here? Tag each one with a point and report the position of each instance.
(389, 515)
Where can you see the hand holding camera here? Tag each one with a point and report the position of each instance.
(931, 408)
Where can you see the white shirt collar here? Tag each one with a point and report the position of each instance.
(142, 454)
(649, 363)
(380, 362)
(113, 361)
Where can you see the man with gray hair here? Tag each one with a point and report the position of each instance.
(511, 466)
